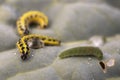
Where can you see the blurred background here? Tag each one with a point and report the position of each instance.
(69, 21)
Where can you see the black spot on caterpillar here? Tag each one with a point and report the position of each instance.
(82, 51)
(31, 17)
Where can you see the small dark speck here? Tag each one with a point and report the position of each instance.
(102, 64)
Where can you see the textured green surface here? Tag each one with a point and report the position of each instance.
(71, 21)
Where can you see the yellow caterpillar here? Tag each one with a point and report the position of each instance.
(22, 26)
(31, 17)
(23, 47)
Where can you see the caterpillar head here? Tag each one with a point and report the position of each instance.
(26, 32)
(24, 56)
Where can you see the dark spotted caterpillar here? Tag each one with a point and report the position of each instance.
(22, 27)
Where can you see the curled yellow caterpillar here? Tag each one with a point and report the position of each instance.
(31, 17)
(23, 45)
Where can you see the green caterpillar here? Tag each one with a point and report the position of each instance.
(82, 51)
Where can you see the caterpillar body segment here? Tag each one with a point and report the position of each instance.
(82, 51)
(23, 49)
(45, 39)
(35, 15)
(31, 17)
(19, 47)
(22, 30)
(34, 19)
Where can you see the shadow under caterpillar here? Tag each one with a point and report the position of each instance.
(82, 51)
